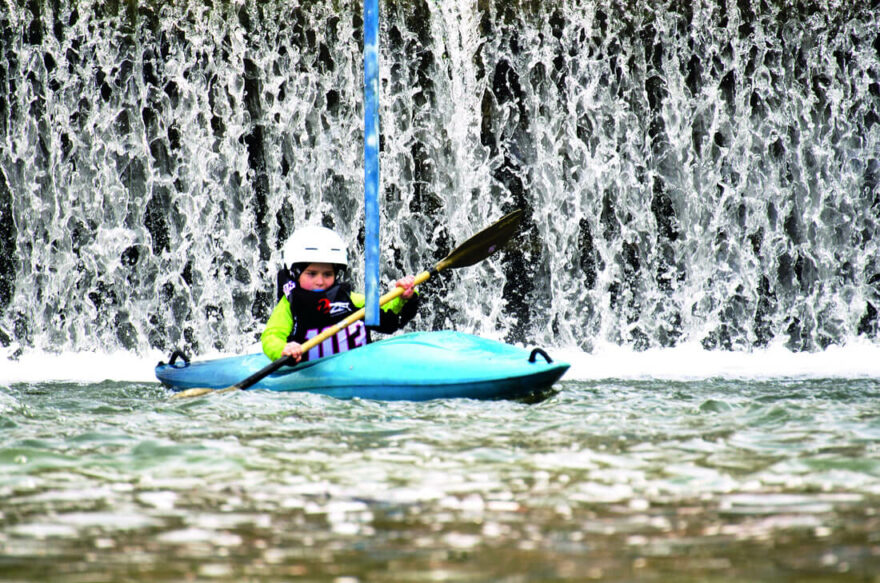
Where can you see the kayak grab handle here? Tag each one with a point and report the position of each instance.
(174, 356)
(536, 351)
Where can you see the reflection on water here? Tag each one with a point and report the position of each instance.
(610, 480)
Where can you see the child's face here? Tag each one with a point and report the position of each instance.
(317, 277)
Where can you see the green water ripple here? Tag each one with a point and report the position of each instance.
(602, 469)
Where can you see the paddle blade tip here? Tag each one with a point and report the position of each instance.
(191, 393)
(483, 244)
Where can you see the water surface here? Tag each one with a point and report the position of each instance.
(618, 480)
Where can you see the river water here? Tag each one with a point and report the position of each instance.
(721, 478)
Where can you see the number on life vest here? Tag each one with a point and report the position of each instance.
(344, 340)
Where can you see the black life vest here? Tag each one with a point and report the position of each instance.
(315, 311)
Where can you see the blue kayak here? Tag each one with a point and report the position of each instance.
(412, 367)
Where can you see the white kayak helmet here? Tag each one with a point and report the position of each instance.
(313, 244)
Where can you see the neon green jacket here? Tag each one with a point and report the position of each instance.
(280, 324)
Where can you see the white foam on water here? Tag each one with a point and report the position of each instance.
(85, 367)
(692, 362)
(686, 362)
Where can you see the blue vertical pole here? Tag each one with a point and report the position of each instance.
(371, 158)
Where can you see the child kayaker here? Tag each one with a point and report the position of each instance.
(314, 297)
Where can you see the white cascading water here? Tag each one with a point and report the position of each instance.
(701, 174)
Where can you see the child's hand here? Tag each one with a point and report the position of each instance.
(293, 349)
(407, 284)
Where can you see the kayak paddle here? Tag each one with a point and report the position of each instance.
(477, 248)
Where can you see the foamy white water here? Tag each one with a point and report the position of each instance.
(686, 178)
(686, 362)
(84, 367)
(692, 362)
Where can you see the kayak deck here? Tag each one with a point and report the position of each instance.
(416, 366)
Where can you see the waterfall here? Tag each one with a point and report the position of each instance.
(691, 172)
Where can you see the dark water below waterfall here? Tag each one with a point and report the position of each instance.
(611, 480)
